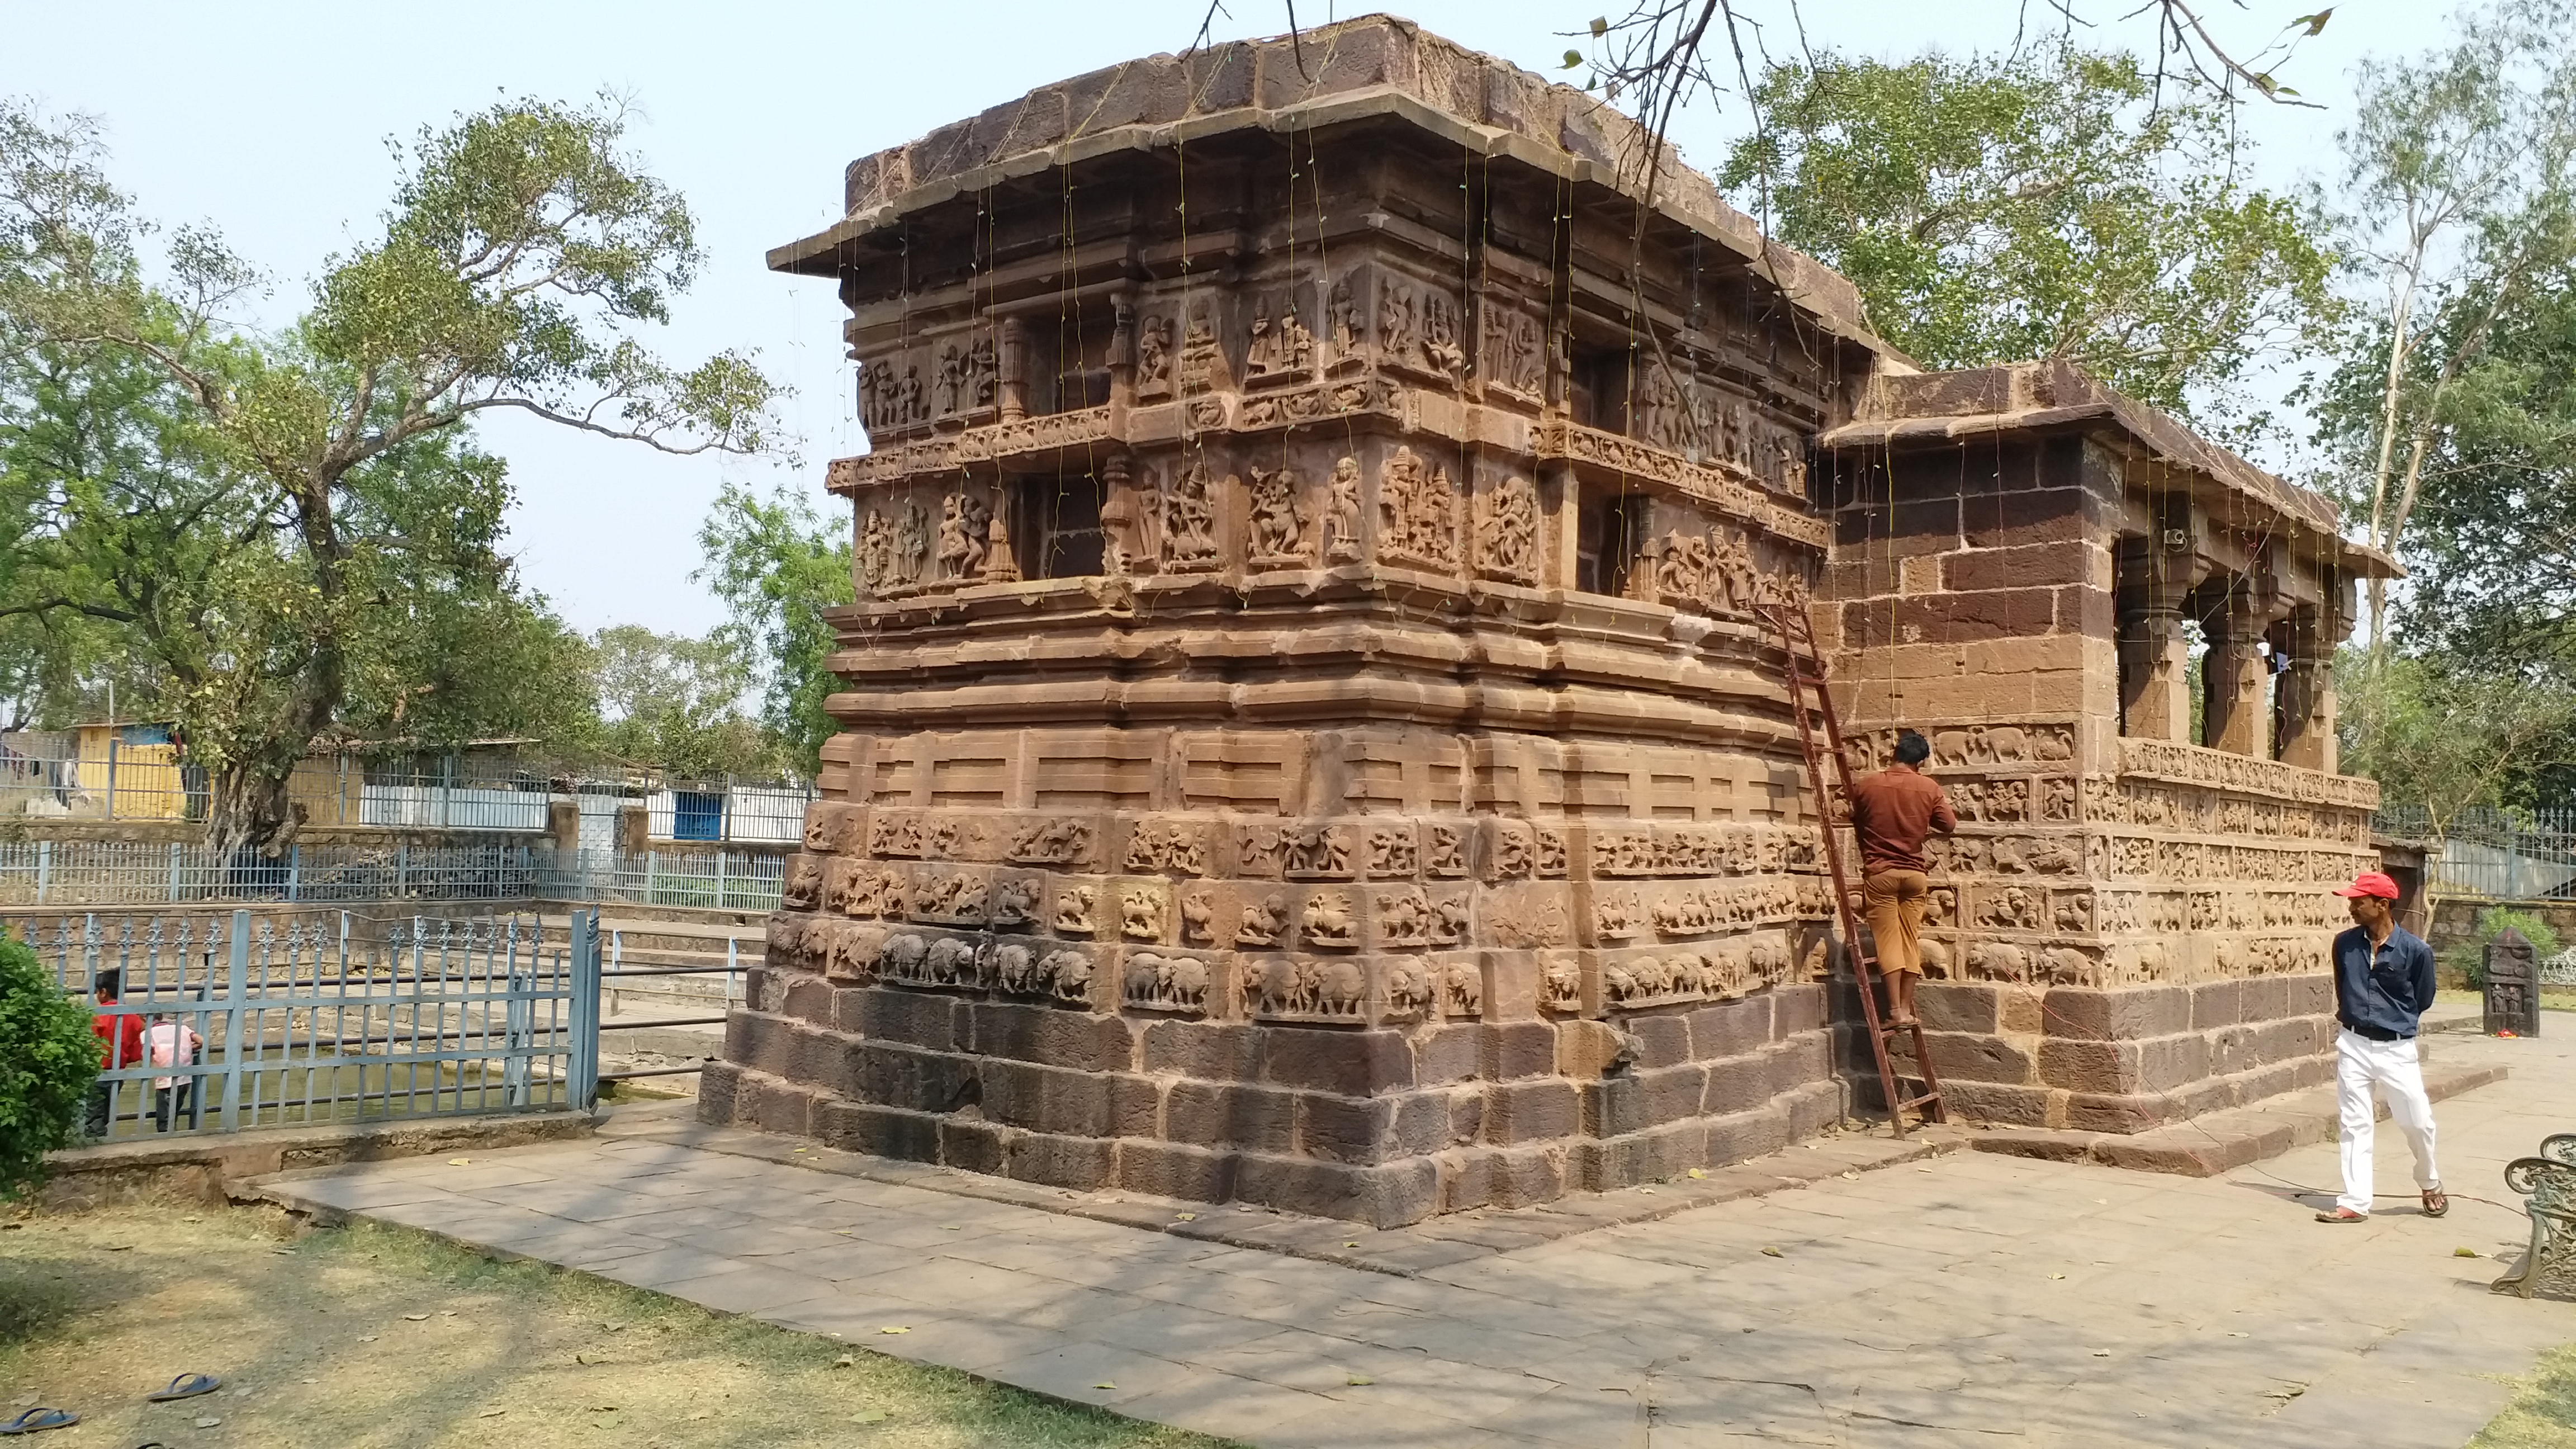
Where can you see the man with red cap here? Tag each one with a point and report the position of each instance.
(2383, 981)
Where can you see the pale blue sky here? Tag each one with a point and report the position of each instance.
(269, 121)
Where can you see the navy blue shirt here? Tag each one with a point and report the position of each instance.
(2382, 993)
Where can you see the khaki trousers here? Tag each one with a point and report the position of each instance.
(1892, 902)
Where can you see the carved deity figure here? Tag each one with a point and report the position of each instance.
(1261, 353)
(1507, 544)
(1344, 320)
(952, 379)
(872, 392)
(1792, 461)
(1440, 345)
(1278, 524)
(1394, 318)
(911, 543)
(1188, 520)
(1342, 511)
(1154, 355)
(1296, 343)
(1199, 356)
(983, 373)
(965, 529)
(1418, 512)
(876, 551)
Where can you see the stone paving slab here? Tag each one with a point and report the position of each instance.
(1949, 1299)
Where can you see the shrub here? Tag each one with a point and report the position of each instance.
(2469, 957)
(48, 1058)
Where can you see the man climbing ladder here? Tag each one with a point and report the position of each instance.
(1892, 811)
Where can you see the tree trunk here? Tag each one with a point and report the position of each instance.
(247, 816)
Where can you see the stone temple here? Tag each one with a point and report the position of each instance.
(1306, 738)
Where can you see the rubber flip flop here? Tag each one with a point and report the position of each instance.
(2343, 1215)
(2436, 1202)
(35, 1419)
(186, 1386)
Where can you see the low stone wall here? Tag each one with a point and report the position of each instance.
(2128, 1059)
(1386, 1126)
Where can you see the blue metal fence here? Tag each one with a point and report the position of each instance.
(230, 1020)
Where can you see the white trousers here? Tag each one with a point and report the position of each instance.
(2393, 1068)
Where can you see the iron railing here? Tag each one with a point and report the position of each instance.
(56, 873)
(242, 1019)
(710, 880)
(2493, 854)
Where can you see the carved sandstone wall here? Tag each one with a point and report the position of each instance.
(1307, 737)
(2131, 928)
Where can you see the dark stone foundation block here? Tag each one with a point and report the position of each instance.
(1379, 1125)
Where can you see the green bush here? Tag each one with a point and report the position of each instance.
(48, 1058)
(2469, 958)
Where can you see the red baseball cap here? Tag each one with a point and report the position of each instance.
(2369, 883)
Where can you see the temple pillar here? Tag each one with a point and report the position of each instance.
(1015, 369)
(2305, 704)
(2155, 657)
(2232, 676)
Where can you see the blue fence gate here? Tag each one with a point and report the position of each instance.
(229, 1020)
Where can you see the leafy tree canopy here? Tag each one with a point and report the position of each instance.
(2451, 738)
(2047, 205)
(299, 523)
(673, 703)
(777, 564)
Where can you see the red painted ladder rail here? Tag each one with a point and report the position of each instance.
(1820, 734)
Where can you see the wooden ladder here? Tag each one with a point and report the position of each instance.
(1820, 734)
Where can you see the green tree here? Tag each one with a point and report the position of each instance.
(324, 478)
(2051, 204)
(139, 555)
(778, 565)
(2490, 541)
(2460, 183)
(2451, 738)
(673, 702)
(48, 1058)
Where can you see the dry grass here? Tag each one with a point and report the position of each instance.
(379, 1336)
(2543, 1414)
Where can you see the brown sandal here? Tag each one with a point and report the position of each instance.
(2343, 1215)
(2436, 1202)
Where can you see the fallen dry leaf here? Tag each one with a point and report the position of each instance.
(894, 1330)
(1361, 1381)
(1773, 1253)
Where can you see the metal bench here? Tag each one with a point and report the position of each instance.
(2549, 1180)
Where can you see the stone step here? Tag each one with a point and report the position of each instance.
(2216, 1142)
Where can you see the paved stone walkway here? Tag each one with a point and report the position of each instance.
(1950, 1300)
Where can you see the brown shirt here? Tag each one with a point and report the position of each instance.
(1891, 813)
